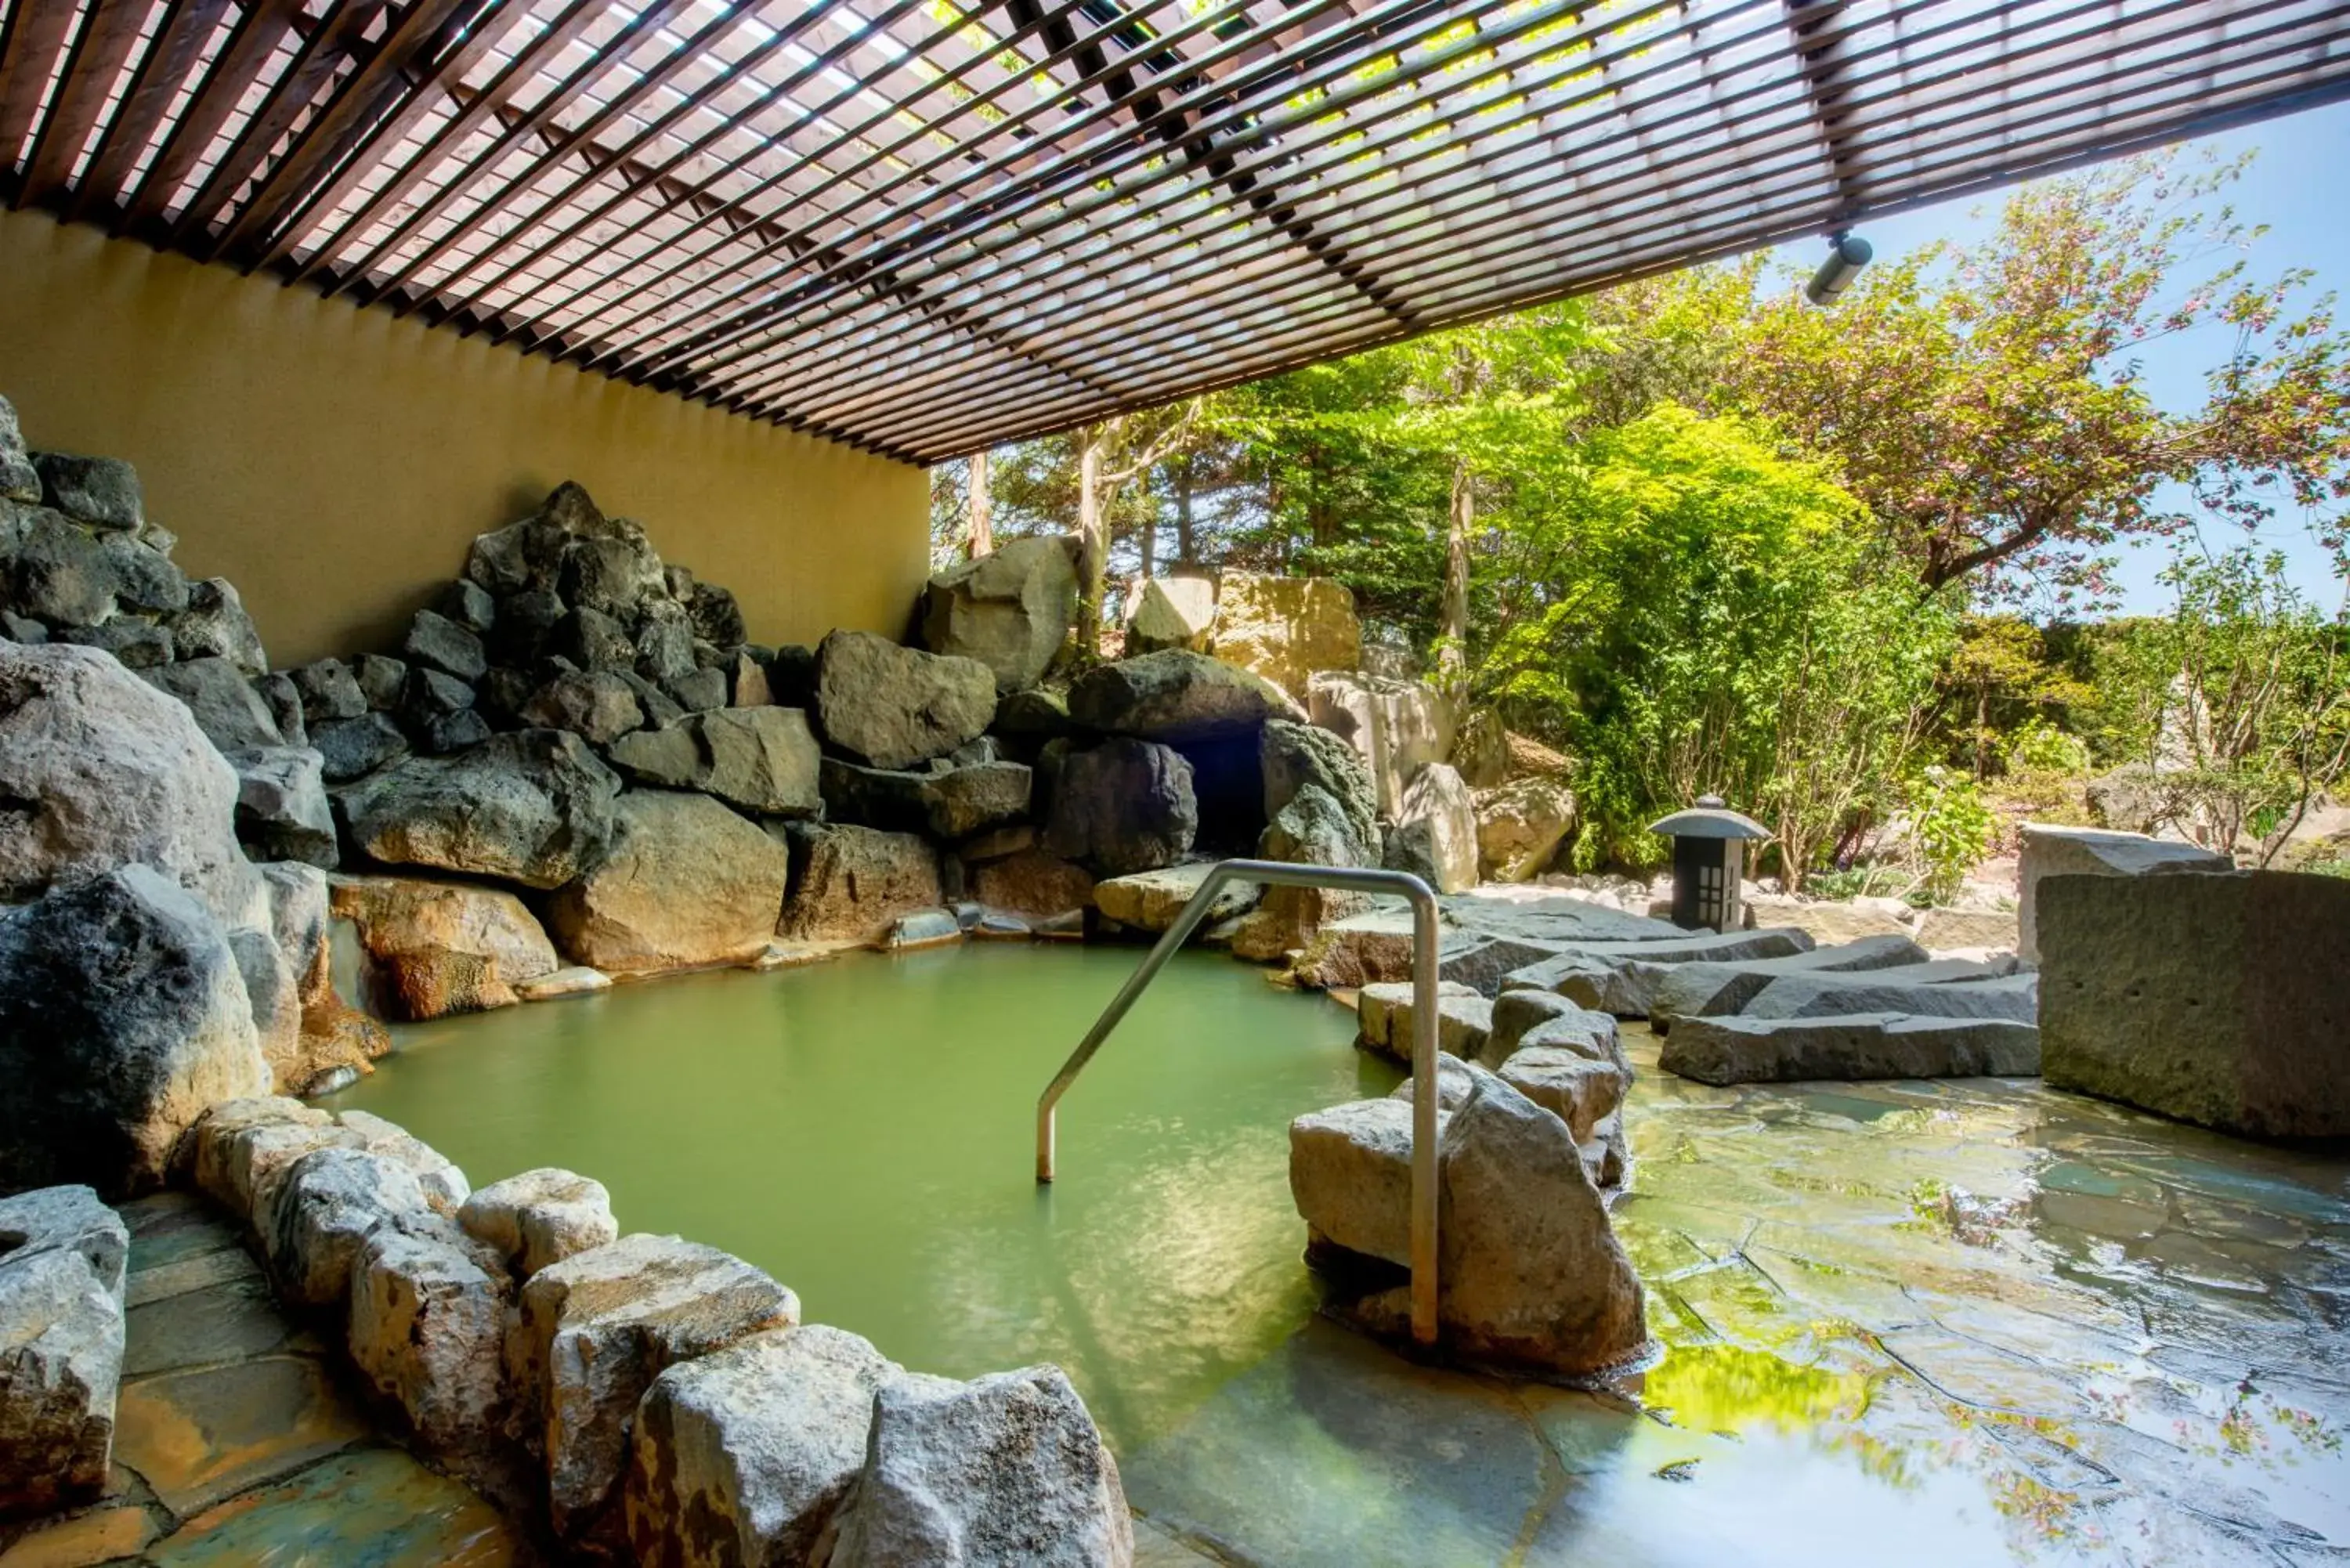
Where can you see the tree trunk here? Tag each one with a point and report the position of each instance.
(1149, 541)
(1454, 659)
(1187, 549)
(1093, 549)
(983, 509)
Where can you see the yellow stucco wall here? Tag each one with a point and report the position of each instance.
(333, 462)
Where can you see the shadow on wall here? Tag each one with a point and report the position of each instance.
(336, 463)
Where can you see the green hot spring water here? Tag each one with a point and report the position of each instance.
(864, 1130)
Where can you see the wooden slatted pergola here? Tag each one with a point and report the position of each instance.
(925, 226)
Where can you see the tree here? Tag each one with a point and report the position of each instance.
(1987, 403)
(2239, 699)
(982, 512)
(1110, 453)
(1691, 611)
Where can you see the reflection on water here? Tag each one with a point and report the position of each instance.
(1922, 1324)
(1930, 1323)
(865, 1131)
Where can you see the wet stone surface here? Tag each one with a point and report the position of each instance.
(1967, 1322)
(238, 1442)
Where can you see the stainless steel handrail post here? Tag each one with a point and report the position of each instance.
(1346, 878)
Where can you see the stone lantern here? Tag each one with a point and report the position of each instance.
(1708, 859)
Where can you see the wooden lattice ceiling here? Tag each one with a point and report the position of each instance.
(928, 225)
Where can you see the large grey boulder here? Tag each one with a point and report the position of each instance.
(1313, 828)
(2053, 851)
(1295, 756)
(105, 770)
(145, 580)
(329, 690)
(1521, 825)
(222, 702)
(744, 1455)
(1531, 1273)
(1579, 1090)
(19, 480)
(214, 626)
(427, 1329)
(1170, 612)
(950, 804)
(431, 949)
(122, 1017)
(139, 644)
(56, 572)
(1521, 1018)
(273, 994)
(239, 1151)
(1010, 609)
(760, 760)
(1005, 1471)
(1387, 1020)
(353, 748)
(1742, 1050)
(61, 1343)
(2220, 999)
(540, 1217)
(613, 569)
(282, 812)
(688, 883)
(436, 642)
(1123, 806)
(444, 1185)
(1702, 989)
(594, 704)
(101, 490)
(1176, 695)
(597, 1328)
(533, 807)
(1397, 727)
(851, 884)
(70, 1219)
(322, 1214)
(1435, 836)
(1286, 630)
(893, 707)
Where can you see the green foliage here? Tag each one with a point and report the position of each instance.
(1694, 612)
(2239, 701)
(1951, 830)
(1986, 403)
(2040, 748)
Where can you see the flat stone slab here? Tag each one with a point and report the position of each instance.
(202, 1435)
(1151, 900)
(1589, 972)
(1700, 989)
(1556, 917)
(370, 1506)
(1951, 993)
(1749, 1050)
(578, 980)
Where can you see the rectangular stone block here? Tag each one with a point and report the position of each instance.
(2219, 998)
(2053, 851)
(1867, 1045)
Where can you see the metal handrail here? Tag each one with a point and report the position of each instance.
(1346, 878)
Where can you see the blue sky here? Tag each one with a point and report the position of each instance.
(2297, 186)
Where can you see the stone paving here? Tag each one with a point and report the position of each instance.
(1971, 1321)
(237, 1442)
